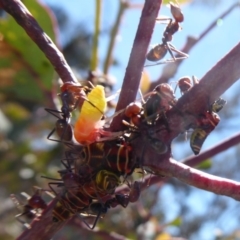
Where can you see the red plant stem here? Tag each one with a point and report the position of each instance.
(190, 161)
(226, 144)
(137, 58)
(24, 18)
(200, 179)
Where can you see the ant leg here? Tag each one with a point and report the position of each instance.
(135, 191)
(54, 112)
(164, 62)
(171, 49)
(52, 189)
(100, 211)
(95, 221)
(164, 20)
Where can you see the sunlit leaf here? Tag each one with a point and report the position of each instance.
(145, 82)
(178, 1)
(15, 112)
(176, 222)
(205, 164)
(163, 236)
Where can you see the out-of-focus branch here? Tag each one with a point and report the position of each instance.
(109, 235)
(170, 69)
(44, 228)
(24, 18)
(123, 5)
(200, 179)
(78, 224)
(136, 61)
(94, 58)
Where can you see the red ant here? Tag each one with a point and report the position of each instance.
(161, 99)
(185, 84)
(72, 96)
(160, 50)
(33, 208)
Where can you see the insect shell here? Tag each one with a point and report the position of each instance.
(185, 84)
(70, 203)
(157, 52)
(218, 105)
(119, 158)
(70, 195)
(33, 208)
(71, 199)
(208, 122)
(89, 160)
(133, 111)
(160, 100)
(78, 194)
(107, 181)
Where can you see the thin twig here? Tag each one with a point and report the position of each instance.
(200, 179)
(136, 61)
(94, 58)
(123, 5)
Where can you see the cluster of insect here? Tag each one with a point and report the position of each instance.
(205, 122)
(97, 160)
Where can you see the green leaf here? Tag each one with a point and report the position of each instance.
(176, 222)
(15, 111)
(179, 2)
(24, 69)
(205, 164)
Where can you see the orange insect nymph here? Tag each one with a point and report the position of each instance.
(89, 124)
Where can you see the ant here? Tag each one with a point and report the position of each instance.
(62, 127)
(33, 208)
(72, 95)
(159, 51)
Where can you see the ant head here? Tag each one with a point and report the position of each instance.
(176, 12)
(184, 84)
(165, 91)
